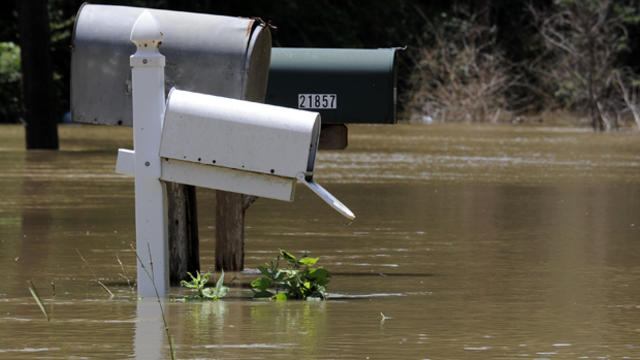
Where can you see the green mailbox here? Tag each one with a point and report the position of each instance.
(343, 85)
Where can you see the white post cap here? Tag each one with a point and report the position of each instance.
(147, 36)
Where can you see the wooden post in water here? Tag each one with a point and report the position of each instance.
(229, 231)
(230, 213)
(37, 76)
(184, 255)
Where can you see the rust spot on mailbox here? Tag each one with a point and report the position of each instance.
(249, 28)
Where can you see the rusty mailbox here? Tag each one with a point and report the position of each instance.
(220, 55)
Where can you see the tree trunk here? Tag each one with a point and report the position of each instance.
(37, 75)
(230, 209)
(594, 111)
(184, 253)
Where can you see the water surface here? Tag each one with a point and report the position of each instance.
(473, 241)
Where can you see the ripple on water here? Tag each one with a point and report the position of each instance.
(29, 350)
(247, 346)
(477, 348)
(17, 319)
(362, 296)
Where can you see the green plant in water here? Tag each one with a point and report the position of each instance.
(301, 279)
(199, 282)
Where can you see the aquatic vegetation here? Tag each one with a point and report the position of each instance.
(199, 282)
(95, 277)
(36, 297)
(384, 317)
(124, 275)
(301, 279)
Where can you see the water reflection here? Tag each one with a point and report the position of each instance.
(36, 221)
(149, 340)
(304, 323)
(229, 328)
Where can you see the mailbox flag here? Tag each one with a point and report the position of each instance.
(327, 197)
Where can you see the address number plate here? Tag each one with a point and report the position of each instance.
(317, 101)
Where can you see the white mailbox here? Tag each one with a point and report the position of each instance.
(238, 146)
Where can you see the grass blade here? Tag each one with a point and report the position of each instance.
(124, 274)
(95, 277)
(34, 293)
(105, 289)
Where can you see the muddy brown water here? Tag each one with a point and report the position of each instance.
(478, 242)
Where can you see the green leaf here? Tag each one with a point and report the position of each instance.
(309, 261)
(287, 256)
(219, 284)
(318, 274)
(262, 294)
(188, 285)
(280, 297)
(264, 271)
(262, 283)
(209, 293)
(204, 279)
(221, 290)
(281, 275)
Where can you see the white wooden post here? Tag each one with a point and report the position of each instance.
(147, 82)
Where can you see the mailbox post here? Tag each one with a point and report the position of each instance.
(147, 83)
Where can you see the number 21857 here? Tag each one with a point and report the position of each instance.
(317, 101)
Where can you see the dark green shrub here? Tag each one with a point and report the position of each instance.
(301, 279)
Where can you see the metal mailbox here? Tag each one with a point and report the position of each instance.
(343, 85)
(238, 146)
(240, 135)
(221, 55)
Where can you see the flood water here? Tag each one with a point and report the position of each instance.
(475, 242)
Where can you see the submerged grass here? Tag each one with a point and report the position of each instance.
(38, 299)
(124, 274)
(95, 277)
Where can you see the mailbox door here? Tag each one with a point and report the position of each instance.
(225, 56)
(343, 85)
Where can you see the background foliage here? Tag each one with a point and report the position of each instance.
(503, 31)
